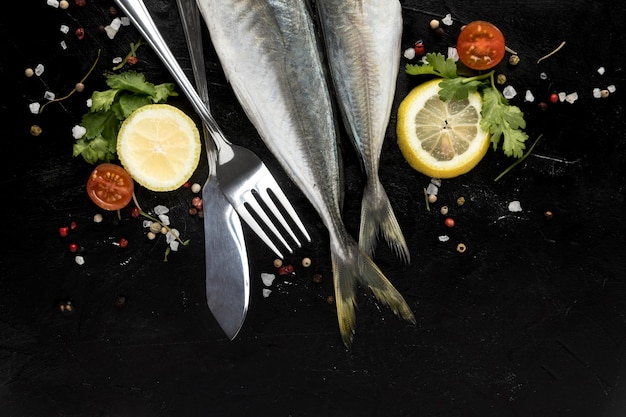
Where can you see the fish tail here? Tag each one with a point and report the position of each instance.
(352, 266)
(377, 218)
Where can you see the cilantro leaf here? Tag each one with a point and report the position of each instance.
(504, 122)
(458, 88)
(436, 64)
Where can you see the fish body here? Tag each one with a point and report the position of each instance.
(362, 40)
(272, 59)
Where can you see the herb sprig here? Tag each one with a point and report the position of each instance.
(504, 121)
(128, 91)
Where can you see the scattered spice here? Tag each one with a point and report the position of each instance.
(285, 270)
(432, 198)
(317, 278)
(306, 262)
(36, 130)
(444, 210)
(73, 247)
(122, 243)
(278, 263)
(514, 59)
(460, 201)
(461, 247)
(449, 222)
(434, 24)
(548, 215)
(120, 301)
(196, 188)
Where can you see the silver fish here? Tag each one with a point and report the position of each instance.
(363, 47)
(272, 58)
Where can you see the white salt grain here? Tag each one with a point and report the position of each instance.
(63, 45)
(611, 88)
(432, 189)
(597, 93)
(117, 60)
(509, 92)
(53, 3)
(164, 219)
(543, 76)
(267, 279)
(39, 70)
(34, 108)
(601, 70)
(409, 53)
(65, 29)
(453, 53)
(571, 97)
(79, 260)
(266, 292)
(529, 96)
(49, 95)
(160, 209)
(515, 206)
(447, 20)
(444, 238)
(125, 21)
(436, 181)
(110, 31)
(78, 132)
(89, 102)
(116, 24)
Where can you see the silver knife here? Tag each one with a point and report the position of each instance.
(227, 270)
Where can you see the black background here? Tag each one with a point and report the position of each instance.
(529, 321)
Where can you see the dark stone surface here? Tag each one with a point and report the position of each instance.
(529, 321)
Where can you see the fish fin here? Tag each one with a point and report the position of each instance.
(353, 266)
(384, 291)
(345, 270)
(377, 217)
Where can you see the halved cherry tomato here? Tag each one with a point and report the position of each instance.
(110, 186)
(480, 45)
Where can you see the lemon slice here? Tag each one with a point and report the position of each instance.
(441, 139)
(159, 146)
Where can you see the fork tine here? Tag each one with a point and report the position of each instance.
(245, 215)
(284, 201)
(265, 197)
(255, 207)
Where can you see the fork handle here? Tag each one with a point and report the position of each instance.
(139, 15)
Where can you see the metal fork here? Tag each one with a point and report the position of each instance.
(241, 173)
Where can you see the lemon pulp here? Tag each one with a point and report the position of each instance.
(441, 139)
(159, 146)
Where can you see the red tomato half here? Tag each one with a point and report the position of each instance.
(480, 45)
(110, 186)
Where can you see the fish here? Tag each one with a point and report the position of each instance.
(272, 57)
(362, 39)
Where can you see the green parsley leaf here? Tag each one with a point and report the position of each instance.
(437, 64)
(129, 91)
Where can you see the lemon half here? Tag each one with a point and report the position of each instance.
(441, 139)
(159, 146)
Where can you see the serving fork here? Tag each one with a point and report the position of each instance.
(243, 177)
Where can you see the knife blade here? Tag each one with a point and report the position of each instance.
(226, 258)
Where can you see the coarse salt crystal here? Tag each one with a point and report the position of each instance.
(110, 31)
(266, 292)
(34, 108)
(147, 223)
(409, 53)
(49, 95)
(89, 102)
(453, 53)
(597, 93)
(39, 70)
(611, 88)
(160, 209)
(174, 245)
(165, 219)
(432, 189)
(116, 24)
(509, 92)
(543, 76)
(63, 45)
(78, 132)
(125, 21)
(529, 96)
(65, 29)
(447, 20)
(444, 238)
(117, 60)
(53, 3)
(562, 96)
(79, 260)
(601, 70)
(571, 97)
(436, 181)
(515, 206)
(267, 279)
